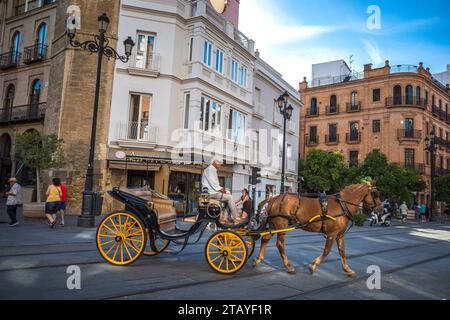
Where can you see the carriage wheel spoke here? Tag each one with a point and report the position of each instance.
(126, 248)
(115, 252)
(110, 249)
(216, 258)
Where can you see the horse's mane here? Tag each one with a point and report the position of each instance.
(354, 187)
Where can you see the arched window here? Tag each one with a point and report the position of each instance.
(333, 104)
(15, 46)
(409, 94)
(35, 97)
(41, 39)
(313, 110)
(397, 95)
(418, 97)
(8, 102)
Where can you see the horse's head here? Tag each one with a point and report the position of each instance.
(372, 198)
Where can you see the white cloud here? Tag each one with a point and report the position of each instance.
(264, 22)
(260, 21)
(373, 51)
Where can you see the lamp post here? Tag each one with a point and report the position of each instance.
(99, 45)
(286, 111)
(430, 142)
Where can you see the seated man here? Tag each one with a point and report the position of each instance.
(210, 181)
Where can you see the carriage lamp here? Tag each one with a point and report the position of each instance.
(100, 46)
(286, 110)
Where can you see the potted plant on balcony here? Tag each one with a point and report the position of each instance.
(40, 152)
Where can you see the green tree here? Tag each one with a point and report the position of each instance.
(324, 171)
(442, 186)
(40, 152)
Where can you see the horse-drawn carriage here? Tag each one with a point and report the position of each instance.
(148, 225)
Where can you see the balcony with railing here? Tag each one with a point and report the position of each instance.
(408, 101)
(353, 107)
(330, 110)
(409, 134)
(136, 132)
(9, 60)
(141, 64)
(442, 143)
(35, 53)
(310, 113)
(353, 138)
(311, 141)
(29, 5)
(442, 171)
(23, 114)
(332, 139)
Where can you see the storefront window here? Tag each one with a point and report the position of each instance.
(141, 179)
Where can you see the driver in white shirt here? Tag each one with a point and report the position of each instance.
(210, 181)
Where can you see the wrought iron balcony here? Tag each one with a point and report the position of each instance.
(353, 107)
(23, 114)
(409, 134)
(408, 101)
(332, 139)
(436, 111)
(9, 60)
(353, 138)
(136, 131)
(312, 113)
(442, 171)
(332, 110)
(35, 53)
(311, 141)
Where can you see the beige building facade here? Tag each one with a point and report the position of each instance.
(391, 109)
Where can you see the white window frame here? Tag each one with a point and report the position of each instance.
(234, 75)
(243, 73)
(219, 59)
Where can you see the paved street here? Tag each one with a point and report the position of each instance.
(414, 260)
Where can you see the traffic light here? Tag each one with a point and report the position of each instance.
(256, 175)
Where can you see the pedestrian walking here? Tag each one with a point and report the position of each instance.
(13, 201)
(62, 207)
(53, 203)
(416, 211)
(404, 211)
(423, 212)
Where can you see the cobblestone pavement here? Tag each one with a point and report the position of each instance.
(414, 260)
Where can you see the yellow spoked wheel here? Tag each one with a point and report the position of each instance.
(226, 252)
(249, 241)
(121, 238)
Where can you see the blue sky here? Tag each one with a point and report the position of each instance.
(293, 34)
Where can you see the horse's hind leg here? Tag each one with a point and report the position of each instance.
(340, 241)
(281, 248)
(326, 252)
(262, 251)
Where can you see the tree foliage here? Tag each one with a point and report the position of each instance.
(325, 171)
(442, 186)
(40, 151)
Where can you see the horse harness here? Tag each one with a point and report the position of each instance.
(323, 217)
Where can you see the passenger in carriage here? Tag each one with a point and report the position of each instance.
(247, 205)
(210, 181)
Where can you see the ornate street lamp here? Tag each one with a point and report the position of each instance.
(99, 45)
(430, 143)
(286, 111)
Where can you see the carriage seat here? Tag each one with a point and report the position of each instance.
(164, 207)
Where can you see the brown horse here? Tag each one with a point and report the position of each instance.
(302, 210)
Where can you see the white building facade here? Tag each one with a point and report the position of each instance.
(185, 96)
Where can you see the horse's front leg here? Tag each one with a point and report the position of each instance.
(340, 241)
(262, 251)
(326, 252)
(281, 248)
